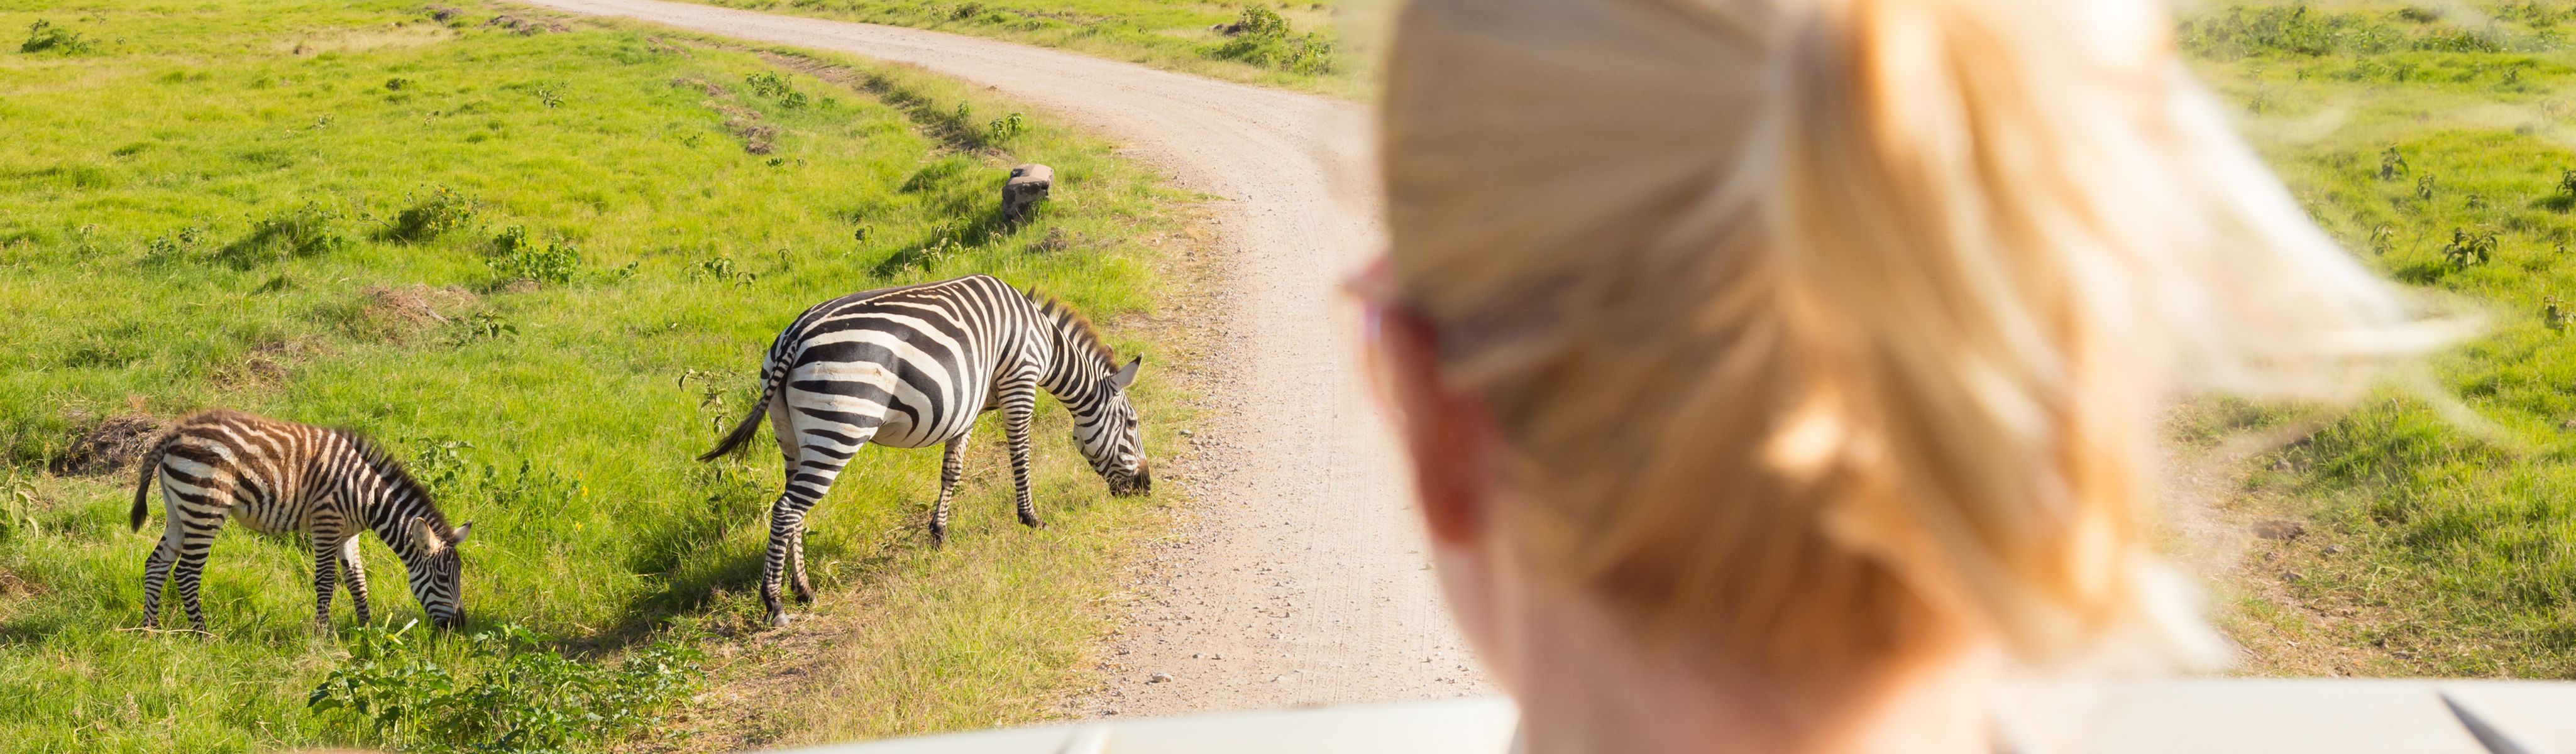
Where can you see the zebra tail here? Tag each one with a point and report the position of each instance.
(741, 434)
(151, 467)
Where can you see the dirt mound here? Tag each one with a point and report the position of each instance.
(12, 586)
(111, 445)
(526, 26)
(417, 304)
(395, 313)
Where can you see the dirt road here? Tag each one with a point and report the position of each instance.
(1297, 576)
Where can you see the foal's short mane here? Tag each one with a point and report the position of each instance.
(1084, 333)
(397, 476)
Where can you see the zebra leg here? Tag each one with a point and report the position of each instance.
(201, 529)
(156, 571)
(797, 586)
(952, 464)
(326, 561)
(1019, 403)
(808, 480)
(353, 573)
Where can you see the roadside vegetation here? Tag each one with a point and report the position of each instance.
(540, 259)
(1297, 45)
(2436, 141)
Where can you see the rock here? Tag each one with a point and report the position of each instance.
(2279, 529)
(2334, 549)
(1158, 678)
(1027, 185)
(2293, 576)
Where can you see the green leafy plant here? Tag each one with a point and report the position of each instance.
(304, 231)
(514, 257)
(44, 35)
(2468, 249)
(1005, 127)
(721, 269)
(770, 84)
(441, 211)
(505, 691)
(2391, 164)
(1262, 37)
(485, 326)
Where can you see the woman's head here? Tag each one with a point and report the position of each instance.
(1815, 335)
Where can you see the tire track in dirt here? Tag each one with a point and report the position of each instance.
(1296, 577)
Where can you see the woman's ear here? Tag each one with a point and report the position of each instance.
(1449, 434)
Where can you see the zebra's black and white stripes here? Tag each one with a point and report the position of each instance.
(280, 477)
(912, 366)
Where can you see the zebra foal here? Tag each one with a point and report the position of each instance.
(280, 477)
(911, 366)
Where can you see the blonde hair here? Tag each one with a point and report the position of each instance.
(1822, 332)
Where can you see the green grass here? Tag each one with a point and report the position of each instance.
(212, 206)
(2437, 145)
(1297, 45)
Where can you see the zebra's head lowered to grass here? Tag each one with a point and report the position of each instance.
(1110, 436)
(1085, 376)
(436, 571)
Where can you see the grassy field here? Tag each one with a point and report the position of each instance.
(1298, 45)
(2436, 140)
(541, 260)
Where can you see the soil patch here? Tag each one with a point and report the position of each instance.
(110, 445)
(395, 312)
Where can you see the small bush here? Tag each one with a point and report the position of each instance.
(506, 692)
(769, 84)
(723, 270)
(484, 326)
(1263, 38)
(2468, 249)
(1005, 127)
(44, 35)
(297, 233)
(441, 211)
(514, 258)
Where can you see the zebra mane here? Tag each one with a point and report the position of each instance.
(1085, 334)
(396, 476)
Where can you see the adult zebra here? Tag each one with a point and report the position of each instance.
(910, 366)
(278, 477)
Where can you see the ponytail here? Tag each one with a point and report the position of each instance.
(1829, 331)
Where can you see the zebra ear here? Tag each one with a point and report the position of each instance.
(418, 528)
(1127, 374)
(458, 536)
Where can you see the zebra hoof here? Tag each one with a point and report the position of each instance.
(778, 620)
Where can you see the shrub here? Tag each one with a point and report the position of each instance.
(506, 692)
(1262, 37)
(442, 211)
(1005, 127)
(2467, 249)
(296, 233)
(768, 84)
(44, 35)
(514, 257)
